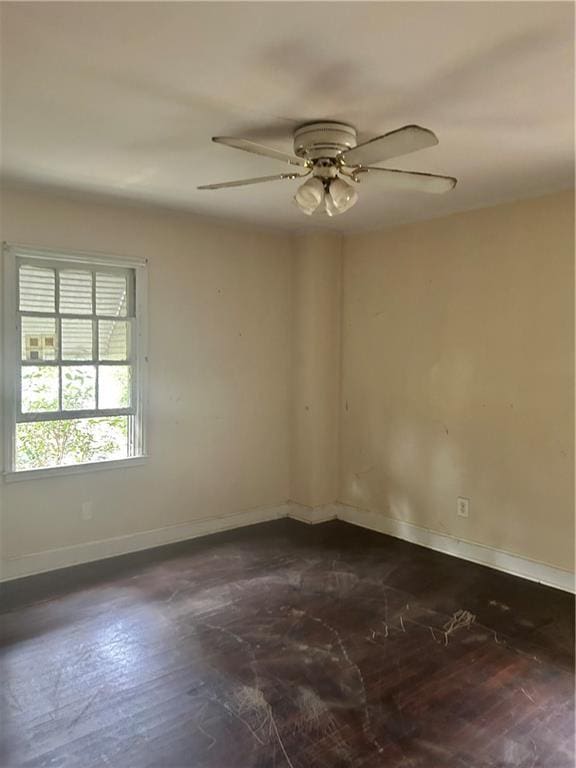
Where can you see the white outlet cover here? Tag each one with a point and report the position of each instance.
(463, 506)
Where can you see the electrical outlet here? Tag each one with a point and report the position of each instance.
(462, 506)
(86, 510)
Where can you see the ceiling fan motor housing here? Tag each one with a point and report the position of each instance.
(323, 140)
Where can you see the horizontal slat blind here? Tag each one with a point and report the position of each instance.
(37, 289)
(75, 292)
(111, 294)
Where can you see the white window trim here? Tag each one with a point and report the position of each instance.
(12, 350)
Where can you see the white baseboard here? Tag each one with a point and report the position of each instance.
(40, 562)
(313, 515)
(467, 550)
(49, 560)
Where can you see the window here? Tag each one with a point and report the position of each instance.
(74, 359)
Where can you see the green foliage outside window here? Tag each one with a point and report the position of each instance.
(70, 441)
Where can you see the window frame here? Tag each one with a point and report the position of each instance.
(13, 254)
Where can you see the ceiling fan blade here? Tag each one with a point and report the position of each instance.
(257, 180)
(258, 149)
(409, 180)
(400, 142)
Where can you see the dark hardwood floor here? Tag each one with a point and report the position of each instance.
(288, 646)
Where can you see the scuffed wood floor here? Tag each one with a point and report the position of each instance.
(287, 646)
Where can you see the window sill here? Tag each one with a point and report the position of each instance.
(74, 469)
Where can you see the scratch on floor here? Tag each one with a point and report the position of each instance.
(56, 692)
(315, 715)
(86, 652)
(280, 742)
(202, 730)
(252, 701)
(240, 719)
(248, 698)
(368, 730)
(228, 632)
(460, 620)
(502, 606)
(85, 708)
(208, 736)
(527, 695)
(13, 698)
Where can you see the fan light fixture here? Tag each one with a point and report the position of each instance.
(335, 194)
(327, 150)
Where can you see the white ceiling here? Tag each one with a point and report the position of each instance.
(122, 98)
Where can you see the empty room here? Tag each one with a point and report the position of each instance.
(287, 357)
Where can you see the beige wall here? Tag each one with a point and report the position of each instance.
(458, 353)
(219, 400)
(316, 369)
(391, 371)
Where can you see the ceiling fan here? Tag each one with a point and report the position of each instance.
(327, 152)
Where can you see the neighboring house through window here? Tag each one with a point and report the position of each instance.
(74, 358)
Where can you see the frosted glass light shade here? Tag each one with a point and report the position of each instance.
(310, 196)
(340, 197)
